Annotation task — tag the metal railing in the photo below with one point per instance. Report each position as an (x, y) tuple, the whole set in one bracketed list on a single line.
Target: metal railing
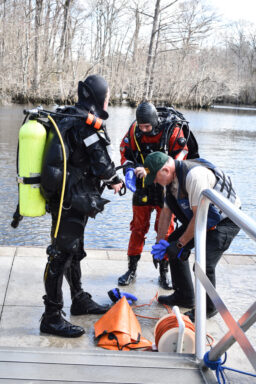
[(203, 284)]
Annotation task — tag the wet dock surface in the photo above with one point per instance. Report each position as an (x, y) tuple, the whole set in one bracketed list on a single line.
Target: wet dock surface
[(21, 305)]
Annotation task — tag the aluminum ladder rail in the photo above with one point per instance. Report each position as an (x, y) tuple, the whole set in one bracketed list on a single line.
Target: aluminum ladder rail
[(203, 284)]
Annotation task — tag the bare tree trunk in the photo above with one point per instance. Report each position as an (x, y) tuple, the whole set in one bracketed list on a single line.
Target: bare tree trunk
[(38, 14), (136, 34), (65, 38), (2, 49), (63, 50), (26, 50), (150, 50), (46, 33), (152, 73)]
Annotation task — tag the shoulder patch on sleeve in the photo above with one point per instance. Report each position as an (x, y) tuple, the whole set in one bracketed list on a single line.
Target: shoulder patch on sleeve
[(91, 139)]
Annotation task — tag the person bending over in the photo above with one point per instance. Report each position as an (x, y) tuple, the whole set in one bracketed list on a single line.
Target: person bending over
[(184, 181)]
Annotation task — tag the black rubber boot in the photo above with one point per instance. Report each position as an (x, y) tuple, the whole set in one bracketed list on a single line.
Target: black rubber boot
[(73, 276), (163, 278), (177, 299), (53, 277), (82, 304), (209, 313), (52, 321), (54, 324), (130, 275)]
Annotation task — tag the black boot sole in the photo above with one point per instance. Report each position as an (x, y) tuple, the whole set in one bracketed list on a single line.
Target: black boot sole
[(179, 303), (123, 284), (61, 334)]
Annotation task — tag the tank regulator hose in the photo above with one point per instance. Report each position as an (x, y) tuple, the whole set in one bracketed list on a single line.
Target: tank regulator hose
[(64, 175)]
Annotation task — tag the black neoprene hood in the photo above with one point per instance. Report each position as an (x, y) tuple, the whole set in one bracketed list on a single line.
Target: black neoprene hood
[(93, 92), (146, 113), (97, 87)]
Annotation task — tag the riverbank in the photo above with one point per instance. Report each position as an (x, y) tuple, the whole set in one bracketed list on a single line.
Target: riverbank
[(225, 137), (20, 98), (22, 288)]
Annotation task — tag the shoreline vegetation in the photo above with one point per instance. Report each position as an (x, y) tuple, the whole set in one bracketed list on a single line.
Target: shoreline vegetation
[(175, 52), (124, 100), (37, 100)]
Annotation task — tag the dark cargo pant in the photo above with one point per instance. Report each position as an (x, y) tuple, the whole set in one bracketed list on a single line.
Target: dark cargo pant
[(217, 242)]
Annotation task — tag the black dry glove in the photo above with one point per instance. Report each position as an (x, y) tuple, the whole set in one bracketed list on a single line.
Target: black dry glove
[(155, 261), (173, 252)]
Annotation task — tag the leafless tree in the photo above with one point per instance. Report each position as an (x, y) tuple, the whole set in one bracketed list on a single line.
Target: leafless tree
[(37, 45), (164, 51)]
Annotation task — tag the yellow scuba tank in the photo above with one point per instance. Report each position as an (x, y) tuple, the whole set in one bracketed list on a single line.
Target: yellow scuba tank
[(32, 139)]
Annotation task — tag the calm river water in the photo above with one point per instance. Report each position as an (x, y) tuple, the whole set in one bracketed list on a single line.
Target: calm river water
[(226, 137)]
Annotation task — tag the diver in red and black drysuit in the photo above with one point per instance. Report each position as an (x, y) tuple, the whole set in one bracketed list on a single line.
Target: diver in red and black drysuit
[(88, 167), (159, 129)]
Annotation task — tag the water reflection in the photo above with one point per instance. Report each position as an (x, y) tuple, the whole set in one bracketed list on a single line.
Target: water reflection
[(225, 138)]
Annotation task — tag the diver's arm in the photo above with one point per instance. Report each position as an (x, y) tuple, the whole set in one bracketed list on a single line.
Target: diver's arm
[(127, 149), (177, 151), (164, 222), (101, 165)]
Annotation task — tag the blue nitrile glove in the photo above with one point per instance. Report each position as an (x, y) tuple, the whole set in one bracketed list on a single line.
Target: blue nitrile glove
[(130, 298), (174, 252), (159, 250), (130, 179), (116, 295)]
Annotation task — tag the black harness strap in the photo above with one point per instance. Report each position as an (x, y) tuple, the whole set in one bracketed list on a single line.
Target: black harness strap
[(223, 182), (230, 187), (29, 180)]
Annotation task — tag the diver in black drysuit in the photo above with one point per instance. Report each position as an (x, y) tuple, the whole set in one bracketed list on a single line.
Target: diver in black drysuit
[(88, 166)]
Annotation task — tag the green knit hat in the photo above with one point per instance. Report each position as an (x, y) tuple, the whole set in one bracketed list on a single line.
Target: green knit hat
[(154, 161)]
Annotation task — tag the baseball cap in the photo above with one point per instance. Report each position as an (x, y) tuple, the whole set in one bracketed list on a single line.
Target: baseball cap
[(153, 162)]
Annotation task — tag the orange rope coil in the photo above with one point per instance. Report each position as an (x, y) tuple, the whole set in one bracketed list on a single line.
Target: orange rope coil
[(167, 330), (169, 322)]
